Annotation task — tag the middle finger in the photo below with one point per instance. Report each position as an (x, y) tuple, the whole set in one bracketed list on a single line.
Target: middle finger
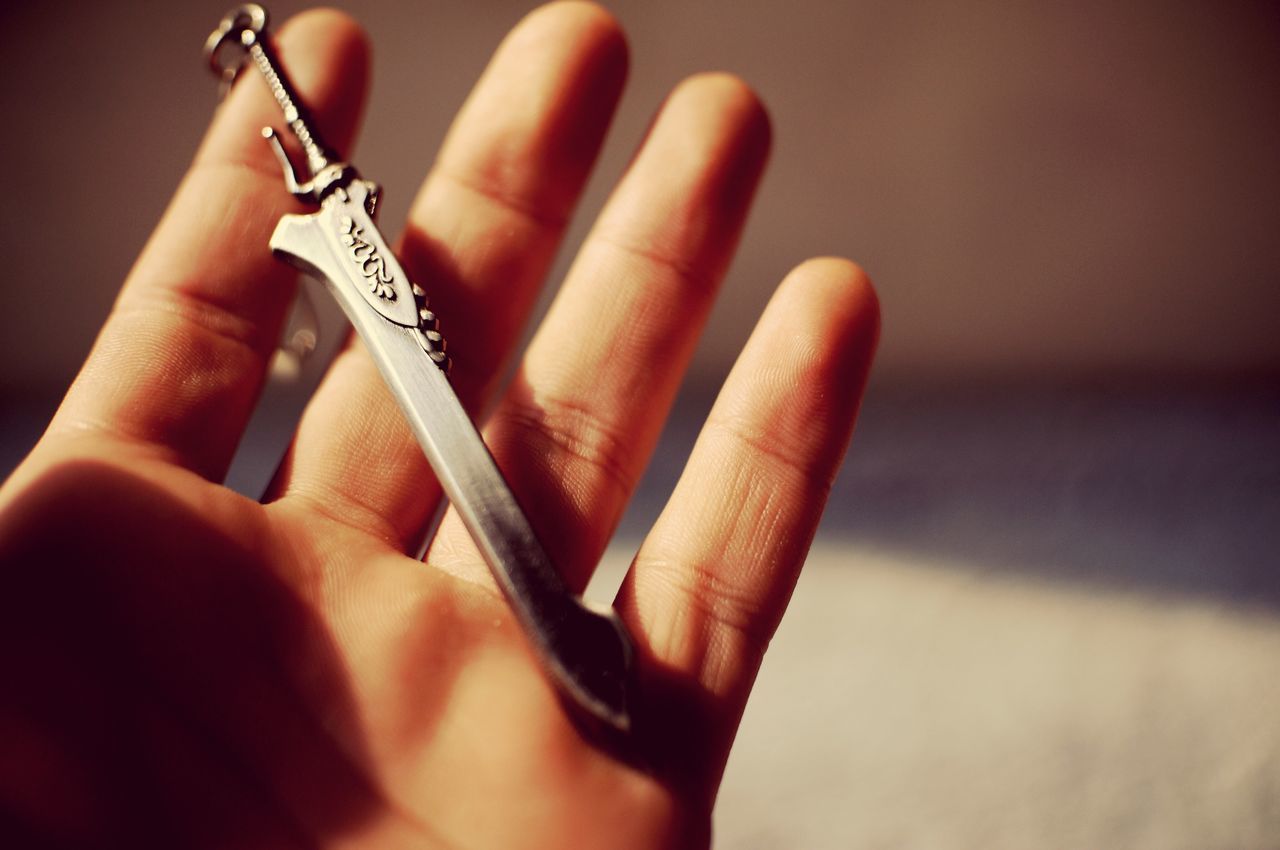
[(578, 424), (482, 233)]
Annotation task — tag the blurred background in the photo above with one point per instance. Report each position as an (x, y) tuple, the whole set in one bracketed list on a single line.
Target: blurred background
[(1044, 608)]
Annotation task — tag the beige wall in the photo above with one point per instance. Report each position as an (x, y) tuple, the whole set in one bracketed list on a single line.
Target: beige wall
[(1038, 188)]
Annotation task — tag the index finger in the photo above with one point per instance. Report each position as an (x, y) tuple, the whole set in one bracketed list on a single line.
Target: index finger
[(179, 364)]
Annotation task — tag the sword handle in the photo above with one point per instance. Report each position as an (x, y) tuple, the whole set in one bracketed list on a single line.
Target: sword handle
[(245, 27)]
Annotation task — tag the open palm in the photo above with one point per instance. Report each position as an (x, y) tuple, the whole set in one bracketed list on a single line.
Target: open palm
[(187, 667)]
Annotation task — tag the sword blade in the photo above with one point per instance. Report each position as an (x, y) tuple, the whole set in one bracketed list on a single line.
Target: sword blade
[(586, 650)]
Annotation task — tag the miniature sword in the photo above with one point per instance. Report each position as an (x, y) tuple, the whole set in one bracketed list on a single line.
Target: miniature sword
[(585, 650)]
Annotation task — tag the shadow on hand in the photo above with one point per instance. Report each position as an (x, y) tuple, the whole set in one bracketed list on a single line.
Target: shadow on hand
[(164, 684)]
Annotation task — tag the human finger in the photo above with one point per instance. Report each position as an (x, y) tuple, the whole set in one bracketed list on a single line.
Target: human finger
[(711, 580), (180, 362), (575, 430), (482, 233)]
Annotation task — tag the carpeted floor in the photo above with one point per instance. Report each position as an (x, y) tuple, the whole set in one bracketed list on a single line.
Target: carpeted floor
[(1032, 620)]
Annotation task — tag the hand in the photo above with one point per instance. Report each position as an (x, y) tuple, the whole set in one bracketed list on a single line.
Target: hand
[(186, 667)]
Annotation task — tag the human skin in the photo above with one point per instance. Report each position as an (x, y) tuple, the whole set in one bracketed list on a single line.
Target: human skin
[(189, 667)]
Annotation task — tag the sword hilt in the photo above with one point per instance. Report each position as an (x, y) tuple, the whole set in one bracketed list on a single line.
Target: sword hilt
[(246, 27)]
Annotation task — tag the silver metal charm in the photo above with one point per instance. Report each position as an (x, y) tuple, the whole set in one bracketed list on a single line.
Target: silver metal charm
[(585, 650)]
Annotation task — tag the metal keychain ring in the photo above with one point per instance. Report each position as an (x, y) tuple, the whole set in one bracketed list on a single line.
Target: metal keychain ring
[(241, 26)]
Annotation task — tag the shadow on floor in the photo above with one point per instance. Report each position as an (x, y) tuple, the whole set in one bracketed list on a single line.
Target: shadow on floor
[(1163, 490)]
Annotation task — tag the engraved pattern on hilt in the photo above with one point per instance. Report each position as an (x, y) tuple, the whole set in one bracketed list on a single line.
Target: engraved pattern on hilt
[(247, 26), (366, 256), (429, 336)]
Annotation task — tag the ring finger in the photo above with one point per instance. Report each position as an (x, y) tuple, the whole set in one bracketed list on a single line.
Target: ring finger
[(577, 426)]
